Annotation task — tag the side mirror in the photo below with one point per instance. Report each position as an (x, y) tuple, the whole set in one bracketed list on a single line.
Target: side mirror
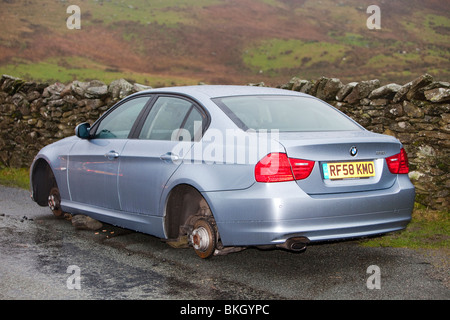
[(82, 130)]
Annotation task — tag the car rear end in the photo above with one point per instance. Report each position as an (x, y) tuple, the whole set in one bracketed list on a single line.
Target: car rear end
[(341, 183), (283, 206)]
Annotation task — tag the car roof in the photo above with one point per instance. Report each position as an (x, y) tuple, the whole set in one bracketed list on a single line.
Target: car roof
[(215, 91)]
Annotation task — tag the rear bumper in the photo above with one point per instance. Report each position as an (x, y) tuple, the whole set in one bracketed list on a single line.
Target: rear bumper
[(270, 213)]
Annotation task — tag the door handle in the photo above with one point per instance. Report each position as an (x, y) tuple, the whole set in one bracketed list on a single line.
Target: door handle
[(112, 155), (169, 156)]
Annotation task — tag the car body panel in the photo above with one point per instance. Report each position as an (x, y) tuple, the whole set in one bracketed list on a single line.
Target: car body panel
[(56, 155), (272, 213), (92, 175), (141, 165), (332, 147)]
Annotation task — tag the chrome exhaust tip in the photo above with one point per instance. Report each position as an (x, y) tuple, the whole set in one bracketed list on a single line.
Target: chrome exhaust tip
[(296, 244)]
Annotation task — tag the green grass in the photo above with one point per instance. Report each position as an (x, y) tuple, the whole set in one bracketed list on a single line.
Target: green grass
[(429, 229), (353, 39), (437, 27), (165, 12), (53, 15), (408, 58), (279, 54), (67, 69), (13, 177), (431, 28)]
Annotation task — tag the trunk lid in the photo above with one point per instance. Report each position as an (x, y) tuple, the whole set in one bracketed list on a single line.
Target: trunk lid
[(334, 155)]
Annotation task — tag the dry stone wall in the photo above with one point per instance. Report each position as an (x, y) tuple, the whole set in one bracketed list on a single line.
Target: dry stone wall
[(33, 115)]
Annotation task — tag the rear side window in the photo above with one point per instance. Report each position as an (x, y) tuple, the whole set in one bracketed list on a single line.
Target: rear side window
[(168, 116), (284, 113)]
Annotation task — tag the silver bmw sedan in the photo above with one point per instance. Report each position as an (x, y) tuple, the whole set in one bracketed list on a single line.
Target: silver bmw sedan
[(221, 168)]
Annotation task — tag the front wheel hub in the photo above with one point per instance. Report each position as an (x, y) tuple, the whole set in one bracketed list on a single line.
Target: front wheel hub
[(54, 202)]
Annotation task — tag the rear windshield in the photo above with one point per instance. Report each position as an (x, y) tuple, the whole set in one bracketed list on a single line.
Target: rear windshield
[(284, 113)]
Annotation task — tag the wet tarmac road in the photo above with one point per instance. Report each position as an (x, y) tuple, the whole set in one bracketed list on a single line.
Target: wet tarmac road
[(45, 257)]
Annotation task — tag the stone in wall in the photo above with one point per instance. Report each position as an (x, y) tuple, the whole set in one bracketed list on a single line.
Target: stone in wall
[(326, 88), (385, 92), (438, 94), (361, 91)]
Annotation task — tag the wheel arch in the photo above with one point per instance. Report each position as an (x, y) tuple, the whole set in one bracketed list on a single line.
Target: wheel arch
[(184, 205), (42, 180)]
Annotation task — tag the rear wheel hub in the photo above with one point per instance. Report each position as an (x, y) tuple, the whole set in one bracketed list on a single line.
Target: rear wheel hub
[(203, 238)]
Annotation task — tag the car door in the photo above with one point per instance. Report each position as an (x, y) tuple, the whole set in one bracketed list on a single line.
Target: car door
[(148, 161), (94, 163)]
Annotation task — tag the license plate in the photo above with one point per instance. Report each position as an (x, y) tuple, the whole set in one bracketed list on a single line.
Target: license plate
[(345, 170)]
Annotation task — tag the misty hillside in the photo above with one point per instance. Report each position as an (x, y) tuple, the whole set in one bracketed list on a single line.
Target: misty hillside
[(164, 42)]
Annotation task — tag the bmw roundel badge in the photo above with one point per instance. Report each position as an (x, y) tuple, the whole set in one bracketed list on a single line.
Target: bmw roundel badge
[(353, 151)]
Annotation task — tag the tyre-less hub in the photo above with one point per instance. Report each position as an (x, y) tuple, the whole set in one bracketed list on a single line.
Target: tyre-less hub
[(203, 238)]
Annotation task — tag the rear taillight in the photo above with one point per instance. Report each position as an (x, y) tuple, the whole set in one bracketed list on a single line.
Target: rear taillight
[(277, 167), (301, 168), (398, 163), (274, 167)]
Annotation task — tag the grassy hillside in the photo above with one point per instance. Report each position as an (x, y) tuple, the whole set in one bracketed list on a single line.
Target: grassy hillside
[(166, 42)]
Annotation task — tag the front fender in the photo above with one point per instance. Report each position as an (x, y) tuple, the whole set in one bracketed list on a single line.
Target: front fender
[(56, 156)]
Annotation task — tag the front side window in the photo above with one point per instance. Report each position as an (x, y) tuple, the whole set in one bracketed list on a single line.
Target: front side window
[(167, 116), (119, 122), (284, 113)]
